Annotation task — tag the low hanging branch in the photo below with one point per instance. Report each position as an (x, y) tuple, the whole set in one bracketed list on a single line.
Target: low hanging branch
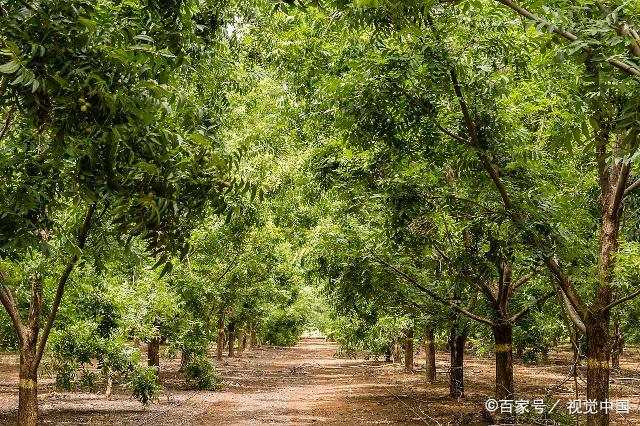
[(408, 278)]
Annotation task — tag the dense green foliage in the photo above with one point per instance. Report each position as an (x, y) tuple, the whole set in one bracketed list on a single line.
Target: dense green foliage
[(200, 172)]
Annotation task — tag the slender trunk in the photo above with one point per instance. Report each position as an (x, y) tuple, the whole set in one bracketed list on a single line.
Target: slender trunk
[(232, 336), (408, 349), (107, 392), (457, 341), (28, 386), (503, 339), (430, 353), (397, 355), (242, 341), (220, 341)]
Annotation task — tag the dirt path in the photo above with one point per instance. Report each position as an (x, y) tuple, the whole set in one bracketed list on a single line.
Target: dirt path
[(307, 385)]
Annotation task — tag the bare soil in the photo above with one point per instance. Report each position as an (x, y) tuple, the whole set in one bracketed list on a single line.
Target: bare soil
[(308, 385)]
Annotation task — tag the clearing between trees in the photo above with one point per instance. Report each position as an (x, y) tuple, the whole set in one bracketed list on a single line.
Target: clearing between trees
[(308, 384)]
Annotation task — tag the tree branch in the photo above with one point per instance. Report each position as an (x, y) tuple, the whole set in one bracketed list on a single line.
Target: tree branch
[(619, 301), (524, 279), (427, 110), (7, 124), (475, 142), (4, 82), (628, 69), (618, 195), (568, 290), (635, 185), (82, 238), (526, 310), (568, 309), (430, 293), (623, 28), (12, 309), (35, 304), (27, 5)]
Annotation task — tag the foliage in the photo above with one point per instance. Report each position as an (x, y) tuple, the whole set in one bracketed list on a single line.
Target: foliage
[(201, 375), (143, 384)]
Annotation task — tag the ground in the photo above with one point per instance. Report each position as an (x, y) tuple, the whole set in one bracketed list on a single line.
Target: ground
[(308, 385)]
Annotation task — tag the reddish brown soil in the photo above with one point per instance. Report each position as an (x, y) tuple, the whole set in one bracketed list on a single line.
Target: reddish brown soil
[(307, 385)]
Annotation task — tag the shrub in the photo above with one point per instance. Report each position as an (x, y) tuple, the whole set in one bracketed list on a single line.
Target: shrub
[(201, 375), (143, 384)]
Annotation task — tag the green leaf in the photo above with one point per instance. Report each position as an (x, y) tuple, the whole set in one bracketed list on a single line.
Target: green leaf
[(9, 67)]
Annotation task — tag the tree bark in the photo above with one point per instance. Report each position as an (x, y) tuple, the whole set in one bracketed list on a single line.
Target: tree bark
[(253, 338), (457, 341), (153, 348), (503, 339), (231, 338), (153, 352), (408, 349), (242, 341), (220, 340), (430, 354), (28, 385), (617, 344), (598, 365), (396, 351)]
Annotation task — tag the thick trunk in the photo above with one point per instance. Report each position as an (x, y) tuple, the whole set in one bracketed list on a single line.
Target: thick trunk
[(457, 342), (503, 339), (153, 353), (408, 349), (28, 387), (597, 365), (430, 354), (613, 178)]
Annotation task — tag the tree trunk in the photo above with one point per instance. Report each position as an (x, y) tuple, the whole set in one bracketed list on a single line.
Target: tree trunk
[(107, 392), (503, 339), (430, 354), (242, 341), (232, 336), (253, 338), (220, 341), (457, 342), (153, 348), (408, 349), (598, 365), (153, 353), (617, 344), (28, 386), (396, 351)]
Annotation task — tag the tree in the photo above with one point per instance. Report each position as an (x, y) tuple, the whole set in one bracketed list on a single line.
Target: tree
[(92, 142)]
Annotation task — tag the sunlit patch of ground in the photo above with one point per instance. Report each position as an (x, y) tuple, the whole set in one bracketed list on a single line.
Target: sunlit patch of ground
[(307, 385)]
